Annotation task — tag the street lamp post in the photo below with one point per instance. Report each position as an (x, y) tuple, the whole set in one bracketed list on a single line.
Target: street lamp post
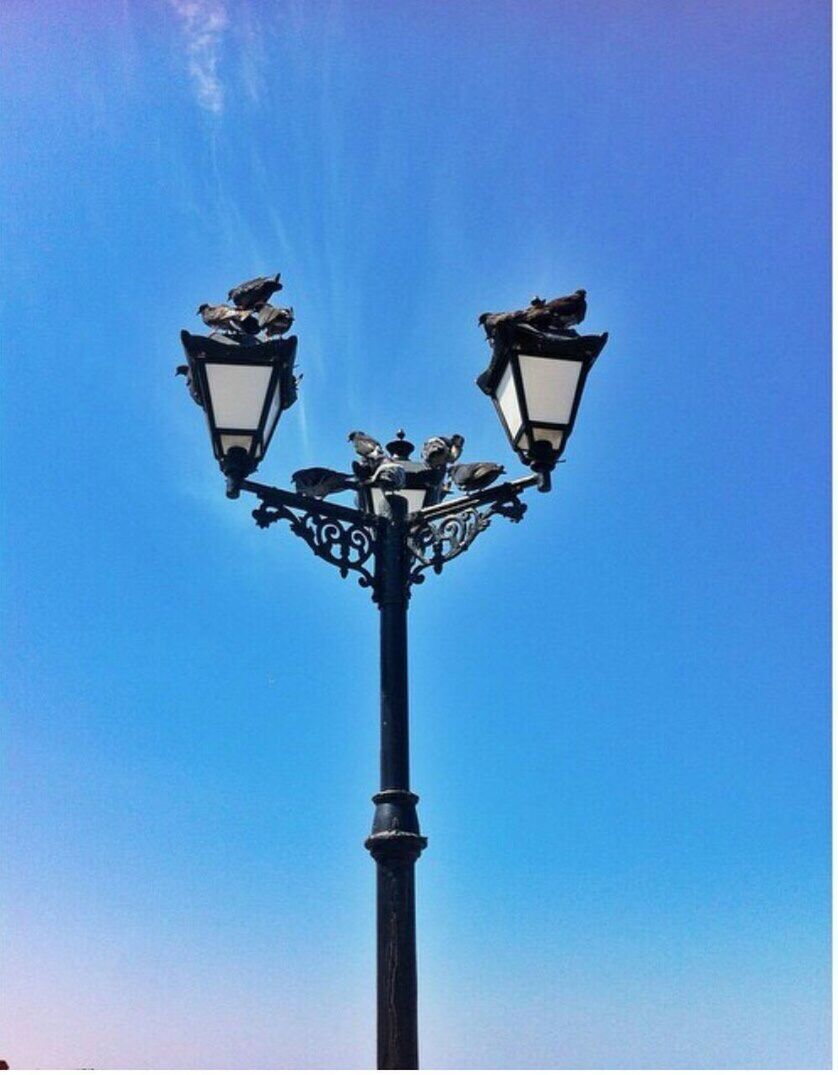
[(395, 842), (404, 523)]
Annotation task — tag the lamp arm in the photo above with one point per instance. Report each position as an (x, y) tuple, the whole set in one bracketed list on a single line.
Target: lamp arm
[(507, 491), (342, 536), (443, 532), (349, 538), (276, 498)]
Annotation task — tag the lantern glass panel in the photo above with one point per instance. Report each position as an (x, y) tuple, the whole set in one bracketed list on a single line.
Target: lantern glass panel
[(415, 499), (554, 436), (237, 394), (234, 440), (550, 386), (379, 501), (273, 415), (507, 399)]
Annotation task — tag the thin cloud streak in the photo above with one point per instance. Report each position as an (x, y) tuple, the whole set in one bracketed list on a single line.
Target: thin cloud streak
[(204, 24)]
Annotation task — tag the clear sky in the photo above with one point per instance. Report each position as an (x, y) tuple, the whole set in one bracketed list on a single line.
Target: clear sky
[(620, 708)]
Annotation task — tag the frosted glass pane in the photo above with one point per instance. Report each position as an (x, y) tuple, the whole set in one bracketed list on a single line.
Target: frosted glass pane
[(555, 436), (237, 394), (507, 399), (273, 415), (415, 499), (379, 502), (549, 387), (228, 441)]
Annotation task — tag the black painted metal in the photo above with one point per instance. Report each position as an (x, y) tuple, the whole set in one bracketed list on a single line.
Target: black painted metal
[(507, 349), (395, 842), (341, 536), (390, 552), (505, 491), (400, 548), (278, 355)]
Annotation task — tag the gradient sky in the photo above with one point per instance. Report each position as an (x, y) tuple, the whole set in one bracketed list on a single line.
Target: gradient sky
[(620, 708)]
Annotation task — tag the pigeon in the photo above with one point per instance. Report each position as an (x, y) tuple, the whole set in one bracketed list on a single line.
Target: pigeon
[(561, 313), (470, 477), (253, 292), (228, 317), (440, 451), (275, 320), (320, 481), (389, 476), (435, 452), (194, 390), (455, 446), (362, 469), (557, 315), (367, 447)]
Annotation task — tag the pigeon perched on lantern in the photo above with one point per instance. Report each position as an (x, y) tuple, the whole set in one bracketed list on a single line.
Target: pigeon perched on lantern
[(441, 451), (194, 391), (558, 315), (252, 293), (242, 374), (537, 374), (274, 320), (389, 476), (227, 318)]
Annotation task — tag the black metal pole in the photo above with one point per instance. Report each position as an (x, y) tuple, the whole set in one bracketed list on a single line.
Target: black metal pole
[(395, 843)]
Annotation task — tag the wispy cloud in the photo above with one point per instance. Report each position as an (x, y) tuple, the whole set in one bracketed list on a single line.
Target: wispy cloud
[(204, 24), (253, 54)]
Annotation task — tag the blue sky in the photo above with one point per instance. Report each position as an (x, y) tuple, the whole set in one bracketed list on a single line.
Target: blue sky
[(620, 708)]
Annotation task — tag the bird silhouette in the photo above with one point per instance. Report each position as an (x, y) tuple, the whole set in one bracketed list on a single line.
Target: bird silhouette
[(440, 451), (455, 446), (367, 447), (274, 320), (228, 318), (253, 292), (321, 482), (194, 391), (557, 315), (471, 477), (389, 476)]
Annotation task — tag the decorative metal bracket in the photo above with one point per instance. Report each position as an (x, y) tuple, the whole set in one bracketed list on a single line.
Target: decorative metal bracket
[(350, 539), (442, 533), (339, 535)]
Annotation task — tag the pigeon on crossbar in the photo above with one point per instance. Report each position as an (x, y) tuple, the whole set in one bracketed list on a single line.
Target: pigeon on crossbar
[(321, 482), (253, 292), (471, 477)]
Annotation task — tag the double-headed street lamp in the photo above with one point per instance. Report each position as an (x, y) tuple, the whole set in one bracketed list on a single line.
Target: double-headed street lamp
[(405, 521)]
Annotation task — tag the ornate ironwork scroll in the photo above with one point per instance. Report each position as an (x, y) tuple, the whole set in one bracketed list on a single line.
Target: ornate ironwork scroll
[(434, 542), (345, 542), (351, 539)]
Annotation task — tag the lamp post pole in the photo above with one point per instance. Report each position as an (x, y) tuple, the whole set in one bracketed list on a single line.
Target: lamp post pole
[(395, 842)]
